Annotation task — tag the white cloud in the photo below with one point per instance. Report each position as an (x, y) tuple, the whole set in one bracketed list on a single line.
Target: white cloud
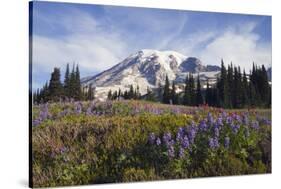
[(91, 52), (85, 43), (241, 48)]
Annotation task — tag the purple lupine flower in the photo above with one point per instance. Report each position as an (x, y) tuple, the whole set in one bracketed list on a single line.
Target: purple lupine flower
[(213, 143), (219, 122), (255, 125), (226, 142), (36, 122), (171, 151), (234, 128), (237, 118), (229, 120), (191, 134), (185, 142), (203, 125), (180, 134), (158, 141), (224, 115), (216, 132), (181, 152), (44, 112), (151, 138), (267, 122), (167, 137)]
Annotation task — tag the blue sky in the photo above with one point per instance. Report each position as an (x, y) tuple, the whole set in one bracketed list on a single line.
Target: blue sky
[(98, 37)]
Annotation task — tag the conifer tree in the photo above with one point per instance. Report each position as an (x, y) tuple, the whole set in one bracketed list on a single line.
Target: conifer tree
[(191, 91), (199, 98), (67, 81), (77, 84), (131, 92), (72, 83), (245, 97), (230, 84), (166, 94), (119, 94), (126, 95), (109, 95), (208, 94), (55, 86), (186, 96), (90, 93), (174, 95)]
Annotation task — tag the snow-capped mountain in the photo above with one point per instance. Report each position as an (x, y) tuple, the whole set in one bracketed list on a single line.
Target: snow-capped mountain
[(147, 68)]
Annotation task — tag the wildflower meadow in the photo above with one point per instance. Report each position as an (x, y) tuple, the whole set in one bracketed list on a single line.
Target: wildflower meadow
[(75, 143)]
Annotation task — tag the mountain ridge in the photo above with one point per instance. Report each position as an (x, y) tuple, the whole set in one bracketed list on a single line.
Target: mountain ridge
[(147, 68)]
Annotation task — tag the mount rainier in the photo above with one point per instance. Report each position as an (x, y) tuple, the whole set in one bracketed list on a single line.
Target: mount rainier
[(148, 69)]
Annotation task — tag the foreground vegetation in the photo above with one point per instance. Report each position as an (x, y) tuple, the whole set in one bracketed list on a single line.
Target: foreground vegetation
[(124, 141)]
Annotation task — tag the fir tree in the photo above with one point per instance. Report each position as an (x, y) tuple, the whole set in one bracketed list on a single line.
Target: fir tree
[(109, 95), (67, 82), (90, 93), (119, 94), (55, 87), (72, 83), (166, 94), (199, 98), (192, 91), (245, 86), (186, 97), (208, 94), (174, 95), (77, 84), (131, 92)]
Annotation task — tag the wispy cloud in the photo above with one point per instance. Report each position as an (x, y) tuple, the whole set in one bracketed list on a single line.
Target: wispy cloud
[(242, 47), (99, 37), (85, 43)]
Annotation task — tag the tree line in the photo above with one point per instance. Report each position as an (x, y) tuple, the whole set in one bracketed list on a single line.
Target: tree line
[(233, 89), (70, 88), (127, 94)]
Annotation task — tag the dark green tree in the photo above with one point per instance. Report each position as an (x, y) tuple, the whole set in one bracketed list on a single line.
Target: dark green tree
[(199, 97), (208, 94), (131, 93), (192, 90), (245, 86), (55, 86), (90, 93), (66, 85), (72, 83), (186, 96), (166, 93), (109, 95), (77, 84), (174, 95)]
